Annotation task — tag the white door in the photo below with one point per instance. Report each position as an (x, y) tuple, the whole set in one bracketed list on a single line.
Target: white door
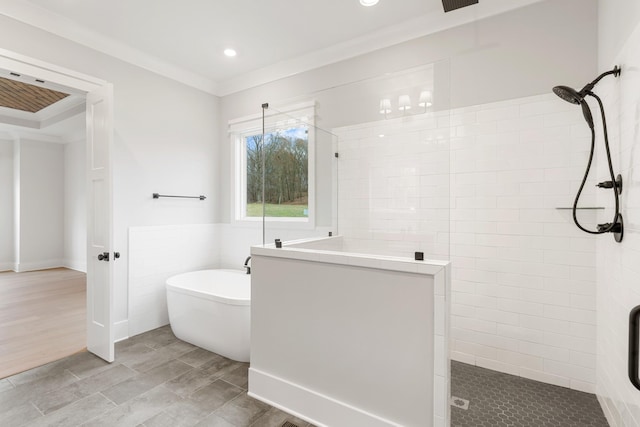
[(100, 252)]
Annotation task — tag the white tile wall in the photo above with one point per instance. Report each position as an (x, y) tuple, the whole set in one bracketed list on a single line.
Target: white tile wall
[(524, 276), (157, 253), (618, 289)]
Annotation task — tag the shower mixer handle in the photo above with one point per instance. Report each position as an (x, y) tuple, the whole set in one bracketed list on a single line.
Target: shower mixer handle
[(610, 184)]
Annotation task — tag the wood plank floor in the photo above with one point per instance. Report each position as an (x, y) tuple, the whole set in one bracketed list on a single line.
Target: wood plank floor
[(42, 317)]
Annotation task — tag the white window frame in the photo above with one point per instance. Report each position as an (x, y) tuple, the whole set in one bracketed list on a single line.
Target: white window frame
[(242, 127)]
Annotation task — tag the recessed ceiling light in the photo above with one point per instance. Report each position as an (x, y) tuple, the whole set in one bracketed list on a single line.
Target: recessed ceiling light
[(230, 52), (368, 2)]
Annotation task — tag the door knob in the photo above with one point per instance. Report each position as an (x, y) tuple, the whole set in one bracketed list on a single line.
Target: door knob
[(104, 256)]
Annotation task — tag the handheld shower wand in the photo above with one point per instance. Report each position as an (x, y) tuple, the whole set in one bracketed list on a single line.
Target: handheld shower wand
[(578, 98)]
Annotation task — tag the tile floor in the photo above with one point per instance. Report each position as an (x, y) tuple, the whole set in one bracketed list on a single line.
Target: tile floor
[(158, 380)]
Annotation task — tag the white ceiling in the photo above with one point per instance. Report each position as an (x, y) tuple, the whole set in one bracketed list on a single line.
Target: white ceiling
[(184, 39)]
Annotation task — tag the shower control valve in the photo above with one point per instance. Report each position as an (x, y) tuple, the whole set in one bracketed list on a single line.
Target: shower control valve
[(610, 184), (616, 228)]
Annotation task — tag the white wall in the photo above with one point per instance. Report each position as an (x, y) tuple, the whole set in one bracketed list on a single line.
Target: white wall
[(617, 19), (50, 228), (41, 205), (617, 263), (157, 253), (6, 211), (75, 206), (165, 140)]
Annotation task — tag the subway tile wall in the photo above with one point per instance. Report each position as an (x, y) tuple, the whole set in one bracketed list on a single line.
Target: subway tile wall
[(619, 263), (489, 178)]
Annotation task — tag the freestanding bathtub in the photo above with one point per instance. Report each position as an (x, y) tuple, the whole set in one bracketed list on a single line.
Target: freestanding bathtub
[(212, 309)]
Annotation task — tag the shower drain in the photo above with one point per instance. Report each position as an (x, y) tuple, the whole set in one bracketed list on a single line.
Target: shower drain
[(458, 403), (288, 424)]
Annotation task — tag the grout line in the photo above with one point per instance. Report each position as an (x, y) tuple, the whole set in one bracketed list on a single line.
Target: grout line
[(103, 395), (67, 370), (37, 409)]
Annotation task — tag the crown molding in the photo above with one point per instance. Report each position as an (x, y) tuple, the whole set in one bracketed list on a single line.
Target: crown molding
[(43, 19), (409, 30)]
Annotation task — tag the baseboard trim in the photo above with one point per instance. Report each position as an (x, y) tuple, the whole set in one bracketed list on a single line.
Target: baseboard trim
[(311, 406), (121, 330), (608, 411), (6, 266), (38, 265), (75, 265)]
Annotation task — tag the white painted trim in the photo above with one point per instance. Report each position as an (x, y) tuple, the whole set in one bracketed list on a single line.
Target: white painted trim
[(63, 115), (58, 25), (32, 136), (121, 330), (319, 409), (242, 124), (15, 121), (239, 128), (6, 266), (39, 265), (22, 64), (417, 27), (74, 264), (17, 152)]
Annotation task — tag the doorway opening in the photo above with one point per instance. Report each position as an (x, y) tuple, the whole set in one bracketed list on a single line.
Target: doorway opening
[(91, 104)]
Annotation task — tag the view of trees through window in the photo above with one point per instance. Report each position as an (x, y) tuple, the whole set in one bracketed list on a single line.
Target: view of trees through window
[(286, 173)]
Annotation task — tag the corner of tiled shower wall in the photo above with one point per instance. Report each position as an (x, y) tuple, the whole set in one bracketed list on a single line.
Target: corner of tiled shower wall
[(618, 264), (490, 177)]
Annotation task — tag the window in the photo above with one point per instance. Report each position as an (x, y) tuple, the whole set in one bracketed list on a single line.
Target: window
[(286, 190), (288, 167)]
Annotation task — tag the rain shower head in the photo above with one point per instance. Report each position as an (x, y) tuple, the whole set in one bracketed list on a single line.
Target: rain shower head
[(575, 97), (568, 94)]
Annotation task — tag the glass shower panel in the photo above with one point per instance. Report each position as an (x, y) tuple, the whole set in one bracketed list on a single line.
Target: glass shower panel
[(393, 188), (377, 165), (298, 199)]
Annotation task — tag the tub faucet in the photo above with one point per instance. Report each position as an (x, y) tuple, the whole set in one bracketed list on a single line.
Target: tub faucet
[(246, 264)]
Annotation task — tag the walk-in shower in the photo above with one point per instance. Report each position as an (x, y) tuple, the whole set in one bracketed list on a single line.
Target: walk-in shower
[(578, 97)]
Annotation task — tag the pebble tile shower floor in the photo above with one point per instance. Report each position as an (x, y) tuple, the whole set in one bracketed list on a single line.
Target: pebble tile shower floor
[(497, 399), (160, 381)]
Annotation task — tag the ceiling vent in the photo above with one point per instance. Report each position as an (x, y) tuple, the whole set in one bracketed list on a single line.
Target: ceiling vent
[(450, 5)]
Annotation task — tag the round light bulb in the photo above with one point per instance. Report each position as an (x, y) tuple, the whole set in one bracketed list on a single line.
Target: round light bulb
[(230, 52), (368, 2)]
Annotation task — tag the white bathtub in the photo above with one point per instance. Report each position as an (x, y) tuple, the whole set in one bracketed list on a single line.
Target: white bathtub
[(212, 309)]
